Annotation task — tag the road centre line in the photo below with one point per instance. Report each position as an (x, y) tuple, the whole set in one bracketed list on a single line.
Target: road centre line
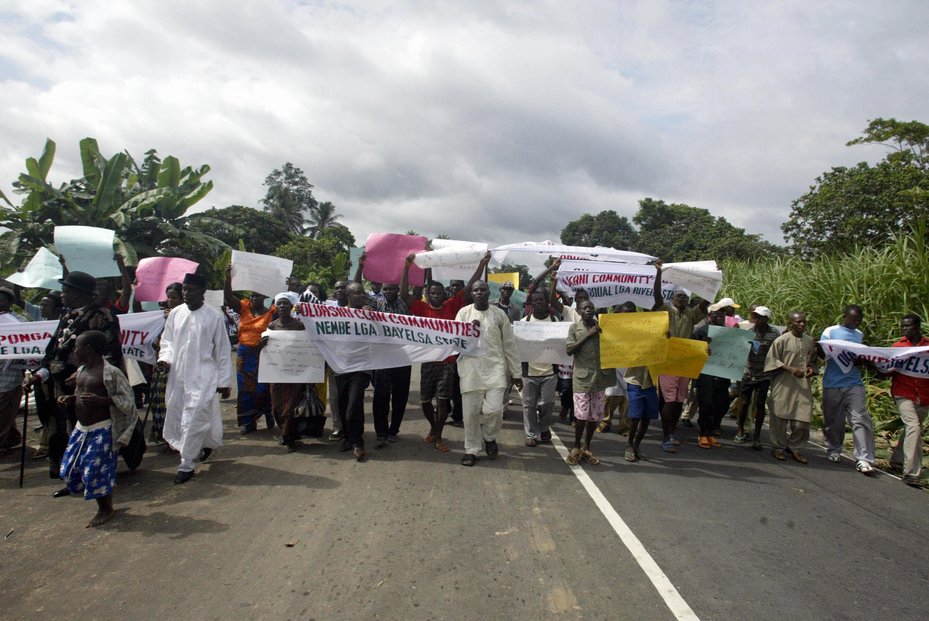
[(679, 608)]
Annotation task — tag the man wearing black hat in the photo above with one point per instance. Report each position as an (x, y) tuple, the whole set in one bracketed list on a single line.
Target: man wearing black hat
[(195, 354), (77, 295)]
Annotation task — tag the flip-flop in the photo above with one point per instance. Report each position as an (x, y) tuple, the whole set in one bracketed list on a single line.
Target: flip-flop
[(441, 446)]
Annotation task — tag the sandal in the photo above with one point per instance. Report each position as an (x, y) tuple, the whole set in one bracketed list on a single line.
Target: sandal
[(589, 457), (469, 460), (573, 457), (703, 442), (713, 441), (429, 439), (358, 453), (441, 446), (668, 447)]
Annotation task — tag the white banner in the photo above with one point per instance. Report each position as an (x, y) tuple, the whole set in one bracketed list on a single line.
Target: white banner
[(42, 272), (502, 254), (702, 277), (542, 341), (912, 361), (365, 340), (290, 357), (612, 283), (260, 273), (451, 259), (28, 340)]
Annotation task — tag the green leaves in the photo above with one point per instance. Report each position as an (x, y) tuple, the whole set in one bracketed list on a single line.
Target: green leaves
[(145, 206)]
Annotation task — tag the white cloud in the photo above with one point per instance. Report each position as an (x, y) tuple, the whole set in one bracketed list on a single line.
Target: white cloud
[(483, 120)]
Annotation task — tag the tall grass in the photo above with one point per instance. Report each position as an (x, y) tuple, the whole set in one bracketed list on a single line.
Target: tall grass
[(886, 282)]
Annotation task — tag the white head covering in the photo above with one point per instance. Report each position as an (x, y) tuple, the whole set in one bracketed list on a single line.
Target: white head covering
[(290, 296)]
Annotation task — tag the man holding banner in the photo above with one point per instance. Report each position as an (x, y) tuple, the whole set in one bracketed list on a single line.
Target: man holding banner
[(539, 380), (845, 398), (911, 394)]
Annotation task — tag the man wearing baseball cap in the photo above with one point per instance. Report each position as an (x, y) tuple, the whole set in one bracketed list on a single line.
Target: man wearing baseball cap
[(756, 381)]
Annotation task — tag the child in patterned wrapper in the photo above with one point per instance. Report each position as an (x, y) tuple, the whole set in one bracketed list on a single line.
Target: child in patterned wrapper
[(105, 409)]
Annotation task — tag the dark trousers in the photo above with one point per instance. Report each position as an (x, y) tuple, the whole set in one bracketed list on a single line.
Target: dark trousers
[(760, 389), (391, 391), (456, 410), (350, 388), (713, 398), (58, 423)]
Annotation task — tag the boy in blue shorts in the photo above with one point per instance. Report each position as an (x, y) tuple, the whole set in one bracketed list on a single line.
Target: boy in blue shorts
[(643, 408), (105, 407)]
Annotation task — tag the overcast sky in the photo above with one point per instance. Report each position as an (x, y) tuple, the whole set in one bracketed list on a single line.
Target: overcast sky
[(493, 120)]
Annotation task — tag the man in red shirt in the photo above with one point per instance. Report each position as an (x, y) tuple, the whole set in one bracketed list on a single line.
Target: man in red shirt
[(911, 394), (436, 378)]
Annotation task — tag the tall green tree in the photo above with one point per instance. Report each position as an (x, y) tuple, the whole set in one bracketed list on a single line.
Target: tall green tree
[(607, 229), (146, 206), (289, 197), (865, 205)]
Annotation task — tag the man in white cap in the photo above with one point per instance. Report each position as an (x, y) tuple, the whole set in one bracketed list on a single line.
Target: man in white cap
[(756, 381), (513, 312)]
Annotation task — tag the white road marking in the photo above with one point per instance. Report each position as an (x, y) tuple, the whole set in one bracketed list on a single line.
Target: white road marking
[(679, 608)]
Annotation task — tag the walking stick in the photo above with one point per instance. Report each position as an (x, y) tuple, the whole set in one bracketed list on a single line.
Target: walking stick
[(22, 453)]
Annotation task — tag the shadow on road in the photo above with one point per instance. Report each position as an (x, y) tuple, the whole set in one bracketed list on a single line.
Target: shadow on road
[(162, 525)]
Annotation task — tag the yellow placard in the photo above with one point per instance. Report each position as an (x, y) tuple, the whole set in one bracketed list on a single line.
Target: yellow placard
[(633, 339), (502, 277), (685, 358)]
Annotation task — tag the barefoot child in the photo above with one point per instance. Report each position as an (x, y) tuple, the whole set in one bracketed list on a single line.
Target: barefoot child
[(105, 409)]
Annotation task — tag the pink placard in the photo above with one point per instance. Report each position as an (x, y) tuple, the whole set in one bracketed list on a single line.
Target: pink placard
[(385, 254), (154, 274)]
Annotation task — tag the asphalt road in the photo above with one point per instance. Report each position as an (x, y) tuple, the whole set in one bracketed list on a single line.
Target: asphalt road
[(411, 534)]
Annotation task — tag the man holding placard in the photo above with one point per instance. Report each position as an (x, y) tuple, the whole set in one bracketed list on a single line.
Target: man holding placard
[(681, 319), (539, 381)]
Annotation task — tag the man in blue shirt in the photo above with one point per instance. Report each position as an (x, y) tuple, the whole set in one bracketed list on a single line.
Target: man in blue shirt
[(844, 397)]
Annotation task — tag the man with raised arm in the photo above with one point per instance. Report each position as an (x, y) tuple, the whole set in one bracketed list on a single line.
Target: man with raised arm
[(436, 378), (681, 321)]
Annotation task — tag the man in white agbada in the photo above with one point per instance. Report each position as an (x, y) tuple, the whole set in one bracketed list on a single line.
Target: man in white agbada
[(486, 375), (195, 352)]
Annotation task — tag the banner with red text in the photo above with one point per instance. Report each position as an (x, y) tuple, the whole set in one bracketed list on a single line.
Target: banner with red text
[(365, 340)]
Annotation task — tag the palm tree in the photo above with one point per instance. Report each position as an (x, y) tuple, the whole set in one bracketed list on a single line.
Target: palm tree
[(322, 217)]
